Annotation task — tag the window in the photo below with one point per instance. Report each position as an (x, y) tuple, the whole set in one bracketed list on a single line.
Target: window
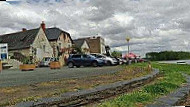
[(59, 45), (44, 48)]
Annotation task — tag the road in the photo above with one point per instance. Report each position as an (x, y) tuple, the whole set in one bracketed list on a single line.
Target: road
[(175, 61), (17, 77)]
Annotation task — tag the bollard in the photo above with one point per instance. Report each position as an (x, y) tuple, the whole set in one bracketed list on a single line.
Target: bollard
[(1, 68), (149, 66)]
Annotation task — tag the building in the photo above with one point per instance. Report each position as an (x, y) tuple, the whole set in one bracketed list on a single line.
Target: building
[(60, 41), (96, 44), (82, 45), (30, 43)]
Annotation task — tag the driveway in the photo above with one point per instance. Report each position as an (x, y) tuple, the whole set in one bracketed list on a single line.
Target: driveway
[(17, 77)]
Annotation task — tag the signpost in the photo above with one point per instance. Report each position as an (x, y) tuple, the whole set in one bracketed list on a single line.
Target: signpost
[(3, 54)]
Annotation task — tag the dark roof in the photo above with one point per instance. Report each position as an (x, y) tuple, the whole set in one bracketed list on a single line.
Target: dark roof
[(78, 42), (19, 40), (54, 33)]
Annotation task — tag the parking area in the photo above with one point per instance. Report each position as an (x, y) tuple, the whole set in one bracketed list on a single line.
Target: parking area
[(16, 77)]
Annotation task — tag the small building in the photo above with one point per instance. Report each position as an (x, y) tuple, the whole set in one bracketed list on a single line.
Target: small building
[(30, 43), (60, 41), (82, 45), (96, 44)]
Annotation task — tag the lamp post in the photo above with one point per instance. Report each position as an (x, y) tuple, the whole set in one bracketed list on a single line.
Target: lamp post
[(128, 39)]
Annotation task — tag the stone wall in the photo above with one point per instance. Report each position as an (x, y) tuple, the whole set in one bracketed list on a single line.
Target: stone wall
[(84, 97)]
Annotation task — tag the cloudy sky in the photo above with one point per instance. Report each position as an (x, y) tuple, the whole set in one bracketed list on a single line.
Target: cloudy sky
[(152, 25)]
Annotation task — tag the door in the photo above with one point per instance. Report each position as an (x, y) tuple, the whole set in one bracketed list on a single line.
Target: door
[(77, 59), (86, 60)]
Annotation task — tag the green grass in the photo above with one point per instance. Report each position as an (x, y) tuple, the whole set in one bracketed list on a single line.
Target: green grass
[(171, 80)]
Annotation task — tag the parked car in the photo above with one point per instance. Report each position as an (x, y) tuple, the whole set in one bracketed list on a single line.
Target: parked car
[(108, 60), (45, 62), (120, 61), (84, 60)]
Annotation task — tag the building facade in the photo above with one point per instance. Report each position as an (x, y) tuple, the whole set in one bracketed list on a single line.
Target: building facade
[(82, 45), (96, 44), (60, 41), (29, 43)]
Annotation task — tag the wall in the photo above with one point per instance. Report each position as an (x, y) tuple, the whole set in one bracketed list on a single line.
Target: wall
[(42, 46), (85, 48), (96, 44)]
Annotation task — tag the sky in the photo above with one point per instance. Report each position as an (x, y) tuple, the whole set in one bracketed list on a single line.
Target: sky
[(152, 25)]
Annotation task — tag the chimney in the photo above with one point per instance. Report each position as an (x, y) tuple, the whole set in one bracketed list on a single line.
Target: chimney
[(43, 25), (23, 29)]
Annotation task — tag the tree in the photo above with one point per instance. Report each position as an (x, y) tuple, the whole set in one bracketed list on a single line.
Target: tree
[(116, 54), (167, 55)]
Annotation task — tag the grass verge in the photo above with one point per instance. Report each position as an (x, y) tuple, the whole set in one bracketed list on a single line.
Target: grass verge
[(171, 80)]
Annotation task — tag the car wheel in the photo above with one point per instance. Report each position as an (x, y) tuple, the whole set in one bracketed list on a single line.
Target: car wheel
[(108, 63), (94, 64), (70, 65), (78, 66)]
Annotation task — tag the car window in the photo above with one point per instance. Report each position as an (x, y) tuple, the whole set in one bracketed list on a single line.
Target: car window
[(76, 56), (99, 56), (86, 56)]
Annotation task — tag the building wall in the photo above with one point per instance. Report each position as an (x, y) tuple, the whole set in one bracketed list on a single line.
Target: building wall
[(96, 44), (64, 43), (102, 46), (41, 47), (85, 48)]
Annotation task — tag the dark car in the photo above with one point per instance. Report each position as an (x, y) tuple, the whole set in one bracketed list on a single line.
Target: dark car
[(83, 60)]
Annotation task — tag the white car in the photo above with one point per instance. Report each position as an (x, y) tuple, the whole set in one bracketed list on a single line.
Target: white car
[(107, 60), (45, 62)]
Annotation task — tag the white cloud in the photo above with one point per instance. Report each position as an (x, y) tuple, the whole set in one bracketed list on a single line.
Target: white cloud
[(153, 25)]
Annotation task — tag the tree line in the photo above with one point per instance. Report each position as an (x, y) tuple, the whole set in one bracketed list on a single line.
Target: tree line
[(167, 55)]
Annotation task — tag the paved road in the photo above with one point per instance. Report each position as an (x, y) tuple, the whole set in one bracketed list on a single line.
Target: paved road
[(175, 61), (17, 77)]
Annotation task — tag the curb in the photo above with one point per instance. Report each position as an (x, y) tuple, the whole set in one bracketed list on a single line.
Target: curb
[(84, 97)]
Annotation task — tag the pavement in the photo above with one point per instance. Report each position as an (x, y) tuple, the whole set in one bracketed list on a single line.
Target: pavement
[(16, 77)]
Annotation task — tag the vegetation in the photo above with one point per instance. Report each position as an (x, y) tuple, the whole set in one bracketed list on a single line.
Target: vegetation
[(167, 55), (171, 80), (116, 54), (27, 60)]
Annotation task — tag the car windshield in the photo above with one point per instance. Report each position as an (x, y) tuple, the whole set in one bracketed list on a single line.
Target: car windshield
[(91, 56), (76, 56), (46, 59)]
